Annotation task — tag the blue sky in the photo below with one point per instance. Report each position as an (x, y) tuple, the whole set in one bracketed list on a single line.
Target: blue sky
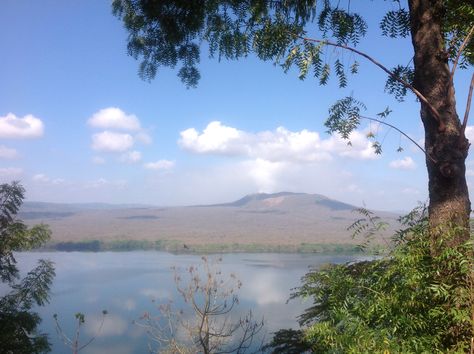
[(77, 124)]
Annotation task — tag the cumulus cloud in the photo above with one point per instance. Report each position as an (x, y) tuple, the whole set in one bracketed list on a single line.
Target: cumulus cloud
[(10, 172), (13, 127), (265, 174), (8, 153), (42, 178), (470, 133), (276, 146), (131, 157), (406, 163), (215, 138), (112, 142), (114, 118), (160, 165), (360, 147)]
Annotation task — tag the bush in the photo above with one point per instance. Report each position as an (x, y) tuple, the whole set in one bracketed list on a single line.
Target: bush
[(410, 300)]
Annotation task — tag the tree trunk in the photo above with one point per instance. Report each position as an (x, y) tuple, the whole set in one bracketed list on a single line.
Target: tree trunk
[(445, 141)]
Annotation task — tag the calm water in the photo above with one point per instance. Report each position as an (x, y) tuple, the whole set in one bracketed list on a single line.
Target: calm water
[(127, 284)]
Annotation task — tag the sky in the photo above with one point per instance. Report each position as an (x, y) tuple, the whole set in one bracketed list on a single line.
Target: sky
[(78, 125)]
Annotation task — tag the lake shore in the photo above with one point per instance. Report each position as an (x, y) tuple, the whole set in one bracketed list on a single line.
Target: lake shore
[(178, 247)]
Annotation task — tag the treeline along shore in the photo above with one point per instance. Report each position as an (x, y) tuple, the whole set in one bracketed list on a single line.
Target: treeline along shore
[(179, 247)]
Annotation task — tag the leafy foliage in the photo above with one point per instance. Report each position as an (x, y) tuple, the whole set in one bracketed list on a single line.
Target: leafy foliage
[(19, 332), (168, 33), (396, 23), (459, 19), (369, 226), (344, 116), (395, 87), (410, 301)]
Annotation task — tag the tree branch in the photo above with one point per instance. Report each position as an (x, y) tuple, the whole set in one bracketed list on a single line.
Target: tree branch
[(461, 49), (468, 105), (403, 82), (403, 133)]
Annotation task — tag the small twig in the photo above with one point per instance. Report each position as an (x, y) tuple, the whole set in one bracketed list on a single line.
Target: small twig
[(404, 134), (93, 338), (468, 105), (417, 93), (461, 49)]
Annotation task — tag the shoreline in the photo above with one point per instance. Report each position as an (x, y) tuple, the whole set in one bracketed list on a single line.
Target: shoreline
[(178, 247)]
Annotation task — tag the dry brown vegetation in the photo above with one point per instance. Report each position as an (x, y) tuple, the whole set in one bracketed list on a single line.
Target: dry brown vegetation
[(268, 219)]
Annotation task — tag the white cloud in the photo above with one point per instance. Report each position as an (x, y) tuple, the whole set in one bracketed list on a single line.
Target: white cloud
[(42, 178), (10, 172), (13, 127), (469, 173), (131, 157), (264, 289), (8, 153), (276, 146), (265, 174), (215, 138), (470, 133), (112, 142), (406, 163), (160, 165), (360, 147), (114, 118), (102, 182), (98, 160)]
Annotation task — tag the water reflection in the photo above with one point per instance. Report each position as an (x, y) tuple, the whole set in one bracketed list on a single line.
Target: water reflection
[(125, 283)]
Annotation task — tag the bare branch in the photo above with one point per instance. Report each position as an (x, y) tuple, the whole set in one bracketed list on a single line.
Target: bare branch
[(461, 49), (403, 82), (468, 105), (403, 133)]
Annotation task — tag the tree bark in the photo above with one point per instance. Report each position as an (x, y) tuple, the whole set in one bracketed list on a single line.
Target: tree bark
[(445, 141)]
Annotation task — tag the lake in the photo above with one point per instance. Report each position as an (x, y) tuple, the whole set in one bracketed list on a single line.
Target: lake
[(129, 284)]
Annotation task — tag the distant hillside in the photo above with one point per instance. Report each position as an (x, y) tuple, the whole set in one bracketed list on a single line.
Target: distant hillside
[(269, 219)]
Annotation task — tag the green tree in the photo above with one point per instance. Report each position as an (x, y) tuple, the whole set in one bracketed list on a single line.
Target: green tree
[(293, 33), (409, 302), (19, 325)]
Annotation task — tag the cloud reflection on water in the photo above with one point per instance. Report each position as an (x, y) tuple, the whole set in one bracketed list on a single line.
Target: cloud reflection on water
[(126, 283)]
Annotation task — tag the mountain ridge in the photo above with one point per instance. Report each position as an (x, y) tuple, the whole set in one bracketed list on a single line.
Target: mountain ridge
[(283, 218)]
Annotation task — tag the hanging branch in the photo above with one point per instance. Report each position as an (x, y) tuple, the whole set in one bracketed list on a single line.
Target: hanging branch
[(417, 93), (461, 49), (468, 105), (403, 133)]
